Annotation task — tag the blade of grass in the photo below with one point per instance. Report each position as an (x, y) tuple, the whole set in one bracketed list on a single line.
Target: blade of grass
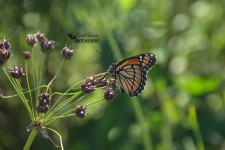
[(194, 125)]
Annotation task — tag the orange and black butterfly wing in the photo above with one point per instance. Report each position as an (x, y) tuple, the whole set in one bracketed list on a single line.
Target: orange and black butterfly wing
[(131, 73)]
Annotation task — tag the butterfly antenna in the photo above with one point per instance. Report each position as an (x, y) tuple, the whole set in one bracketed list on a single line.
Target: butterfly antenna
[(101, 54), (98, 51), (114, 57)]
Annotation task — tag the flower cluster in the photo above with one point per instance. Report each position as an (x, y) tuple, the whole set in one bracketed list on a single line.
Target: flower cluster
[(44, 102), (45, 44), (5, 51), (27, 55), (88, 85), (66, 52), (31, 40), (16, 72), (81, 111), (91, 83), (110, 88)]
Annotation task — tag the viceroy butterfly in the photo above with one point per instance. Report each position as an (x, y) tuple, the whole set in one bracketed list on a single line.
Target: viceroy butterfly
[(131, 73)]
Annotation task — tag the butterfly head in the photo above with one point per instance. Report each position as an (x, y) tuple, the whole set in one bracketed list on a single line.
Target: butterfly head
[(111, 69), (69, 34)]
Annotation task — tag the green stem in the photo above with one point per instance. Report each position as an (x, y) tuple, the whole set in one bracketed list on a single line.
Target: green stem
[(30, 139), (194, 125), (33, 70), (141, 121), (36, 66), (18, 88), (42, 63), (55, 74), (28, 85), (95, 101), (26, 91), (53, 112), (60, 138)]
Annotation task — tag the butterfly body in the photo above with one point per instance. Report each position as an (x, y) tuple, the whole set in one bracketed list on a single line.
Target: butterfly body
[(131, 73)]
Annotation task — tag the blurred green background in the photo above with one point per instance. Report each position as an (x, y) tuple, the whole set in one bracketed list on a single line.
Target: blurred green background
[(186, 36)]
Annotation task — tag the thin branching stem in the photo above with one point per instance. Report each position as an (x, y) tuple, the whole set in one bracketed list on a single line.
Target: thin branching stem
[(28, 86), (42, 63), (33, 75), (95, 101), (61, 112), (18, 89), (55, 74), (43, 86), (64, 94), (62, 116), (54, 111), (60, 138), (37, 73), (24, 100), (67, 114)]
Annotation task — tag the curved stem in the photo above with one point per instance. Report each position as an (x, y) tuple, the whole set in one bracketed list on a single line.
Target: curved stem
[(55, 74), (60, 138)]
